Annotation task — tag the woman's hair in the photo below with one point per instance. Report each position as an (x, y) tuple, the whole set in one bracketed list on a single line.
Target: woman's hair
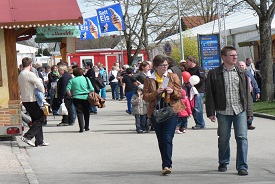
[(171, 61), (78, 72), (64, 68), (113, 67), (52, 68), (143, 65), (192, 59), (158, 60), (129, 71)]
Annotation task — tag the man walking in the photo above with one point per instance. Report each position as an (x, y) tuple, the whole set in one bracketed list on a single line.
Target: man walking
[(27, 82), (228, 98)]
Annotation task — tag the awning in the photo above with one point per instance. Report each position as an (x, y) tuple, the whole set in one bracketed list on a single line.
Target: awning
[(36, 13), (254, 40)]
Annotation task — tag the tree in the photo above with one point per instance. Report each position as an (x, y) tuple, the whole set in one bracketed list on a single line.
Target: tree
[(265, 13)]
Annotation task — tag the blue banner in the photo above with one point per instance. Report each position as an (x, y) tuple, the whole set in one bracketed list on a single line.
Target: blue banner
[(209, 51), (110, 18), (89, 29)]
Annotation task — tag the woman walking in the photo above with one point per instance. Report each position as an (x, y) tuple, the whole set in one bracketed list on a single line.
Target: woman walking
[(153, 87)]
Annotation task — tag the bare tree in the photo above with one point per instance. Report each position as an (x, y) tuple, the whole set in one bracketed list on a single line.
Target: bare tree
[(265, 11)]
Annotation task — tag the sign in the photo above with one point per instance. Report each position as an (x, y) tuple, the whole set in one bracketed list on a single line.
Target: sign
[(59, 31), (110, 18), (167, 48), (89, 29), (209, 51)]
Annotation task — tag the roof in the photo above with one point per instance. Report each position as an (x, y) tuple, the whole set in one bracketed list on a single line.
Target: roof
[(254, 40), (234, 21), (194, 21), (35, 13)]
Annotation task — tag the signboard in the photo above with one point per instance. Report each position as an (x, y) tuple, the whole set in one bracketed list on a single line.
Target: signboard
[(59, 31), (110, 18), (89, 29), (40, 38), (209, 51)]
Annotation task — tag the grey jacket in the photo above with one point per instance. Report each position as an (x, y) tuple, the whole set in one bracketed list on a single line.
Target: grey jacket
[(139, 106), (215, 91)]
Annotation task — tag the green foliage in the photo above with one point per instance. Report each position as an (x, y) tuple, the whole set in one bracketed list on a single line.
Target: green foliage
[(190, 47), (264, 107)]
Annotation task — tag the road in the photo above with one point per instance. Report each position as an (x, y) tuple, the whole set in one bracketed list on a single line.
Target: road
[(112, 152)]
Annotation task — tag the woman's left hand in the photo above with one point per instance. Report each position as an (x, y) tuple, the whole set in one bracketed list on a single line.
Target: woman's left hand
[(169, 90)]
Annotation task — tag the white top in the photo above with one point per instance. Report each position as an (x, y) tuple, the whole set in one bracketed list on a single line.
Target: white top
[(27, 82), (113, 72)]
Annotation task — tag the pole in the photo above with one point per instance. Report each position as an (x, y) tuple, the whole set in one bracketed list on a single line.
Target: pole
[(181, 41), (121, 50)]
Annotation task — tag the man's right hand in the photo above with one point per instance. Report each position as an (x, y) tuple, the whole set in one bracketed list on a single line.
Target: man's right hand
[(212, 118)]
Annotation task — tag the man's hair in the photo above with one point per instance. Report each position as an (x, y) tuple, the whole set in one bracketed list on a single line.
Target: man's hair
[(89, 64), (26, 61), (64, 68), (225, 49), (129, 71), (171, 61), (192, 59), (78, 72)]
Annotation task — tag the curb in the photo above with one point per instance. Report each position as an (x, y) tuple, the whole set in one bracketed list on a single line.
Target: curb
[(261, 115), (24, 163)]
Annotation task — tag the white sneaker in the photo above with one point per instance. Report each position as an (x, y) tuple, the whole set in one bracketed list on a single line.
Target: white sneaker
[(46, 103), (45, 144), (178, 132), (29, 142)]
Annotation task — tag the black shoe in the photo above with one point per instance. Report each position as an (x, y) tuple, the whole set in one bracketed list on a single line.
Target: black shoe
[(62, 124), (222, 168), (128, 112), (250, 127), (140, 131), (93, 113), (197, 127), (87, 129), (242, 172), (80, 131)]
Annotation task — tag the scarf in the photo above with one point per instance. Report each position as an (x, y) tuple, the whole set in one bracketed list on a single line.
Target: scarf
[(159, 81)]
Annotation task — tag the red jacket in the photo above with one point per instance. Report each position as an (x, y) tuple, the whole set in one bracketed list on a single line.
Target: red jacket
[(187, 111)]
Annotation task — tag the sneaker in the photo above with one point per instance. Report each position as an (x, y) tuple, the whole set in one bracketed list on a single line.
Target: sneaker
[(140, 131), (197, 127), (178, 132), (166, 170), (250, 127), (43, 144), (222, 168), (29, 142), (242, 172), (184, 130), (62, 124), (43, 108), (128, 112)]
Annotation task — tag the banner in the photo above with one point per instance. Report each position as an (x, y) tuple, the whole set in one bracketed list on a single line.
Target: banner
[(89, 29), (110, 18), (209, 51)]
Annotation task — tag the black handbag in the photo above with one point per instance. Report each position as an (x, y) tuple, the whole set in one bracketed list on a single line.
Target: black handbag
[(162, 113)]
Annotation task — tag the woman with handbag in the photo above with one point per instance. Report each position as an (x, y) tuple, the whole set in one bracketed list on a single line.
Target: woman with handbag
[(79, 88), (163, 90)]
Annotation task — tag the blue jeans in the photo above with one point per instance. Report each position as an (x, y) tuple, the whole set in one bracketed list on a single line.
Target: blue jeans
[(198, 110), (182, 122), (140, 122), (165, 134), (224, 133), (102, 92), (114, 86), (129, 96)]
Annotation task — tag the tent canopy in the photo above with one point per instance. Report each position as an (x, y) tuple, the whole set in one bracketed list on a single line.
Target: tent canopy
[(35, 13), (254, 40)]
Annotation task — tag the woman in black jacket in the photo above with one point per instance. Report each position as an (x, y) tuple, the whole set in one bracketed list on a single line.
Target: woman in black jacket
[(53, 77), (62, 95)]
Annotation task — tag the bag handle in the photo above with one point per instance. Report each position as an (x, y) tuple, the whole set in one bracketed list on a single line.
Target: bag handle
[(164, 103)]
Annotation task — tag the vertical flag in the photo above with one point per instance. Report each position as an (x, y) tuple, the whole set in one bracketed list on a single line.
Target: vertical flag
[(110, 18), (89, 29)]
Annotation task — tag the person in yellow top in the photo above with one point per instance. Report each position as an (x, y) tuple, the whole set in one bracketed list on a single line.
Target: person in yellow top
[(158, 82)]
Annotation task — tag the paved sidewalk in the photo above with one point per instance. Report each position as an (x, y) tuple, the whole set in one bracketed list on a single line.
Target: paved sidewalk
[(112, 152)]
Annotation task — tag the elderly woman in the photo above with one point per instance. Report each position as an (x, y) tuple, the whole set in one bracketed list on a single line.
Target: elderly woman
[(152, 89), (62, 95), (79, 88)]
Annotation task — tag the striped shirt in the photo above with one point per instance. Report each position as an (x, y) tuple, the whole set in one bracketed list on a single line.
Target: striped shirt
[(232, 90)]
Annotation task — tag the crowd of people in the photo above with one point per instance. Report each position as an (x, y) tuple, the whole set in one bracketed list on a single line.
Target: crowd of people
[(149, 86)]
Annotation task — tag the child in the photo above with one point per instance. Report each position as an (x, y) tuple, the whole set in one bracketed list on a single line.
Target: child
[(40, 98), (139, 107), (184, 114)]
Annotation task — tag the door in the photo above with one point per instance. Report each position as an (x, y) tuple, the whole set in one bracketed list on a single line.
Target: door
[(110, 59)]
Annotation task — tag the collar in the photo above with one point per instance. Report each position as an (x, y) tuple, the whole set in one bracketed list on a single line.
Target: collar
[(153, 75)]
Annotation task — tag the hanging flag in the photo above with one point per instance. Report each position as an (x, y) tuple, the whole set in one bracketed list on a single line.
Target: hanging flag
[(89, 29), (110, 18)]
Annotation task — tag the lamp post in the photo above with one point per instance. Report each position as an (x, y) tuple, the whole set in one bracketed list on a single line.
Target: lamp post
[(181, 40)]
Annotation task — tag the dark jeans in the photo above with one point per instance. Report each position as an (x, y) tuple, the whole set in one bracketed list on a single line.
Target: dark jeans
[(82, 112), (165, 134), (121, 93), (129, 96), (37, 117), (114, 86), (140, 122), (182, 122), (68, 119)]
